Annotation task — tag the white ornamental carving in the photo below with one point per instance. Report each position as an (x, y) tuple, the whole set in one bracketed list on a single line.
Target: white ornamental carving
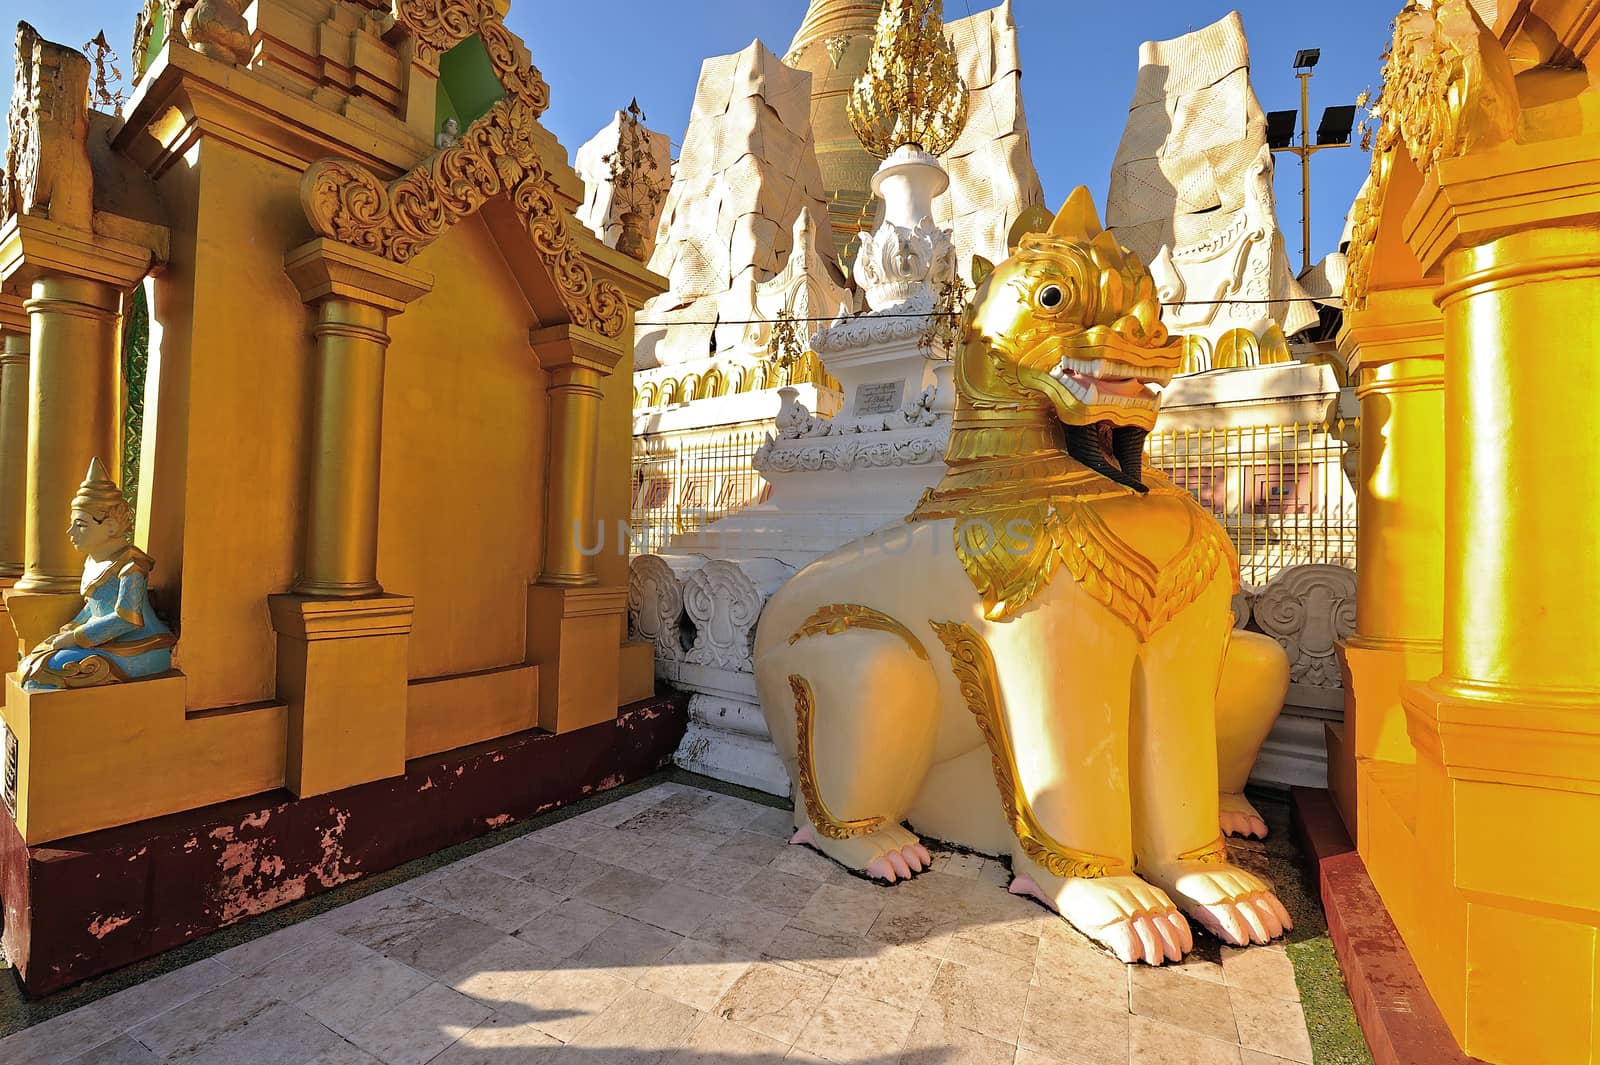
[(1241, 606), (851, 444), (655, 606), (897, 263), (846, 453), (1308, 609), (724, 604), (899, 322)]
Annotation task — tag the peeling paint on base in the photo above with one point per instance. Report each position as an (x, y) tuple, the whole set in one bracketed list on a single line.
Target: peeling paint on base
[(160, 883), (101, 927)]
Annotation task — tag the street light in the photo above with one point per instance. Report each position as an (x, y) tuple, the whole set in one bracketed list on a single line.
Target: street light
[(1333, 132)]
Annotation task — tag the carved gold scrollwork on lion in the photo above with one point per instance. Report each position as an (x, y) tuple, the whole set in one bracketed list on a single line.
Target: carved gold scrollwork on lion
[(1012, 553), (834, 619), (822, 819), (495, 156), (975, 672)]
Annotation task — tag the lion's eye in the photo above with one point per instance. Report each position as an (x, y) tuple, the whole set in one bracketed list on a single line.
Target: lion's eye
[(1050, 297)]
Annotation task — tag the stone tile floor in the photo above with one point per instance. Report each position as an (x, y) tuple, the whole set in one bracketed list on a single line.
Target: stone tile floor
[(677, 926)]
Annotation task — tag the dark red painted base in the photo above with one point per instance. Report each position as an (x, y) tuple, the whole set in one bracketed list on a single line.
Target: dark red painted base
[(80, 907), (1402, 1023)]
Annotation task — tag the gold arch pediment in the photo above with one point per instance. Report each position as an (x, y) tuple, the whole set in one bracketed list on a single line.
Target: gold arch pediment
[(496, 157)]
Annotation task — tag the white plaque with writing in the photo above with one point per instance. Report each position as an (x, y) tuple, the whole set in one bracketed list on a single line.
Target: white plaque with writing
[(879, 397)]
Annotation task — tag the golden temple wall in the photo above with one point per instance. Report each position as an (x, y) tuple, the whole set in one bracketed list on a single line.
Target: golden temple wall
[(265, 341), (1467, 765), (465, 427)]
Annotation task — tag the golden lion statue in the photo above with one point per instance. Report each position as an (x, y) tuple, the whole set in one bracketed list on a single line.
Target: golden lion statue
[(1041, 662)]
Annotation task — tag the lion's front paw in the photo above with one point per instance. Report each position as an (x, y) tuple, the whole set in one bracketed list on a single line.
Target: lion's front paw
[(1134, 920), (889, 854), (1237, 817), (1235, 906)]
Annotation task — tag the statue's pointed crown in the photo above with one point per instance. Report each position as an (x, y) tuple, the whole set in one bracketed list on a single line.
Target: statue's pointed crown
[(98, 492)]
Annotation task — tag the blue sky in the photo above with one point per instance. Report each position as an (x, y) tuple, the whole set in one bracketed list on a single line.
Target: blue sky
[(1078, 62)]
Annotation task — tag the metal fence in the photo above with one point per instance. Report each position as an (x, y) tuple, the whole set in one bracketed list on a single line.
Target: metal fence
[(682, 485), (1285, 494)]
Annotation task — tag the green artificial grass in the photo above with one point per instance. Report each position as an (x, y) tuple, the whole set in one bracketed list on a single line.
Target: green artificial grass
[(1336, 1037)]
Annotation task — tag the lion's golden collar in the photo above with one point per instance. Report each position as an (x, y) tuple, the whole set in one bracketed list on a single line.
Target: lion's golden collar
[(1013, 533)]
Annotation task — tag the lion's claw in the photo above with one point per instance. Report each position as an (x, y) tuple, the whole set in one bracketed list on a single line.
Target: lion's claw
[(889, 854)]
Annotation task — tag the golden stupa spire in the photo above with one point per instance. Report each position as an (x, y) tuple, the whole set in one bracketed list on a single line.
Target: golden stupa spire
[(828, 18), (912, 92)]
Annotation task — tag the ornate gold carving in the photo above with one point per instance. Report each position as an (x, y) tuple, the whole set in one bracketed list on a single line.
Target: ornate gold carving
[(911, 92), (836, 618), (663, 390), (495, 156), (144, 28), (1448, 89), (974, 668), (822, 819), (47, 157), (1213, 853), (91, 671), (440, 25), (1447, 84), (1011, 553)]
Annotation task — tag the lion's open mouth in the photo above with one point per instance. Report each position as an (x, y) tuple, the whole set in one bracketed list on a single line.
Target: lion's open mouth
[(1095, 382)]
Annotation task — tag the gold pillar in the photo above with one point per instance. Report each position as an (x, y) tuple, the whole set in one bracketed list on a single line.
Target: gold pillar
[(574, 443), (575, 628), (342, 642), (72, 416), (1504, 801), (75, 282), (354, 294), (1395, 348), (1520, 622), (14, 339)]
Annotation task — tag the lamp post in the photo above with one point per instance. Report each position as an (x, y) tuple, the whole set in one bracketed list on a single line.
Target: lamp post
[(1333, 132)]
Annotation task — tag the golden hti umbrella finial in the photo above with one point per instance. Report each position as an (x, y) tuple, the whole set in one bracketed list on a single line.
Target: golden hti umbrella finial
[(912, 92)]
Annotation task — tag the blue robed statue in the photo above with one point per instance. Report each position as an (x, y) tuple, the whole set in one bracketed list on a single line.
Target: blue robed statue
[(116, 636)]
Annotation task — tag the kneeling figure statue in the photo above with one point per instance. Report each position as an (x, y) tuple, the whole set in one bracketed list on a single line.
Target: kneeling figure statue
[(1041, 662), (116, 636)]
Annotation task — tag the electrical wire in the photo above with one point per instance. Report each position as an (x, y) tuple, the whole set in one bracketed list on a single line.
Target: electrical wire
[(940, 314)]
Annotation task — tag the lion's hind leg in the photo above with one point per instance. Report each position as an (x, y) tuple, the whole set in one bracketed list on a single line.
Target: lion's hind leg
[(1250, 694), (859, 743)]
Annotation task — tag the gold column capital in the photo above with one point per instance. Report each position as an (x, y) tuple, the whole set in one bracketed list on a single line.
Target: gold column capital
[(562, 346), (32, 247), (324, 268), (1395, 341), (1478, 197), (14, 317)]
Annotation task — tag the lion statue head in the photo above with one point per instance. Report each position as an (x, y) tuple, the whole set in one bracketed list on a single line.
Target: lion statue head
[(1069, 330)]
